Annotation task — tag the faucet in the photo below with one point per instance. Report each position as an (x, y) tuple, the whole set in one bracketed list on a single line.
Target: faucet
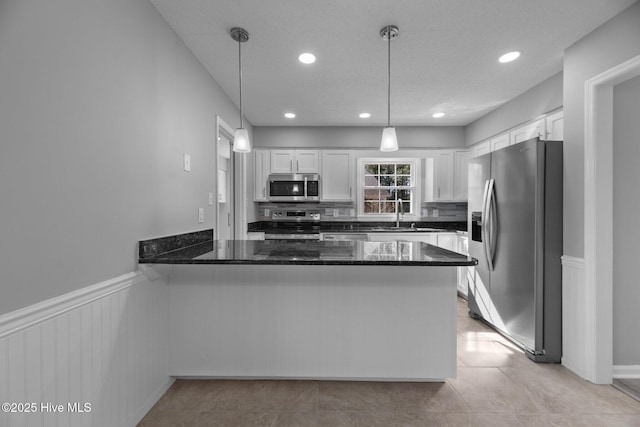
[(399, 207)]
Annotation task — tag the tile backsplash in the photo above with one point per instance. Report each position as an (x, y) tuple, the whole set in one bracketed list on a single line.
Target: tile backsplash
[(346, 211)]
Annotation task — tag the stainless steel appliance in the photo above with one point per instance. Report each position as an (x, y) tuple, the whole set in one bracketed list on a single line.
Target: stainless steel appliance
[(515, 221), (294, 187), (293, 224)]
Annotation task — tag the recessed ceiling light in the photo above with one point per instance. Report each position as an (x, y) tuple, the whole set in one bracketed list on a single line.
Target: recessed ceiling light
[(289, 115), (365, 115), (510, 56), (307, 58), (438, 115)]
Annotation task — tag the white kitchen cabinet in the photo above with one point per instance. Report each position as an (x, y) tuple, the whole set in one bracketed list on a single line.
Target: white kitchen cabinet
[(444, 169), (480, 149), (430, 238), (446, 181), (500, 141), (463, 248), (337, 175), (261, 170), (255, 235), (295, 161), (447, 241), (555, 126), (529, 131), (460, 176)]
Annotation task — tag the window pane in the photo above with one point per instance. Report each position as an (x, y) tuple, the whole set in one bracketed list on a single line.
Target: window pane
[(387, 181), (387, 207), (371, 207), (372, 195), (403, 169), (370, 169), (404, 181), (371, 181), (404, 194), (407, 207), (387, 169), (387, 195)]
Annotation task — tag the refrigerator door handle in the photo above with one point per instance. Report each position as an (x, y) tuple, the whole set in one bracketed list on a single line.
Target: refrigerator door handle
[(492, 208), (485, 224)]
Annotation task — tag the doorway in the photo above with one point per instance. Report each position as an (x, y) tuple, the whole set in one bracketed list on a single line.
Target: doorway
[(598, 208), (225, 182)]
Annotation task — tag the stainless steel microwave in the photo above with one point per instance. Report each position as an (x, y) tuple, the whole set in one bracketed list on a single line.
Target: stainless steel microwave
[(294, 187)]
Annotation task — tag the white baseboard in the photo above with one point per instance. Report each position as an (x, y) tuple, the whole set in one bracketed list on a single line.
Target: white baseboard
[(105, 344), (626, 371)]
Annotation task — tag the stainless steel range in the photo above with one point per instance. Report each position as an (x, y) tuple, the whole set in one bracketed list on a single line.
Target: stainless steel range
[(293, 224)]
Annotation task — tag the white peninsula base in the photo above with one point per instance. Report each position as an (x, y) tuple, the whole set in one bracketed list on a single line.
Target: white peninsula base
[(386, 322)]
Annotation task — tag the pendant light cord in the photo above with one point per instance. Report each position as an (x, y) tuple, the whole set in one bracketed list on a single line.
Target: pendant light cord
[(389, 77), (240, 77)]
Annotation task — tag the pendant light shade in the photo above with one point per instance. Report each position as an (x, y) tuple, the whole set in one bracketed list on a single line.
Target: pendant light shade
[(389, 140), (241, 143)]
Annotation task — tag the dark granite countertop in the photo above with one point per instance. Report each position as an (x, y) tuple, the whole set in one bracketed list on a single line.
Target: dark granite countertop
[(309, 253), (372, 226)]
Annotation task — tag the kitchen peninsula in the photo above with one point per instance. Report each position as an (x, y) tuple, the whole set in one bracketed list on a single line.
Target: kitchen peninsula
[(356, 310)]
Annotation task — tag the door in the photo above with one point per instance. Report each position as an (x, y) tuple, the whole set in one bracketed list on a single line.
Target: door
[(518, 190), (479, 173)]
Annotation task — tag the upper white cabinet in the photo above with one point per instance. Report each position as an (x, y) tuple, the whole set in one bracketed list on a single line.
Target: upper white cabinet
[(529, 131), (460, 175), (295, 161), (446, 181), (337, 170), (261, 172), (500, 141), (480, 149), (555, 126)]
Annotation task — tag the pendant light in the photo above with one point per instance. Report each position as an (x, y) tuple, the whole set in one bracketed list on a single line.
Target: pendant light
[(241, 143), (389, 140)]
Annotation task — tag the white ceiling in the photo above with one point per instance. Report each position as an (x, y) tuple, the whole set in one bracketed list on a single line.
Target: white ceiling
[(445, 58)]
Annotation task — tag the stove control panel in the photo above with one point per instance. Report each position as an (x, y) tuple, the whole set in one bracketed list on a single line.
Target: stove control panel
[(295, 215)]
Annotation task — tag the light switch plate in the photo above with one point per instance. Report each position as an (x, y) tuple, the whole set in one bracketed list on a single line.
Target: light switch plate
[(335, 212), (187, 162), (200, 215), (435, 213), (210, 199)]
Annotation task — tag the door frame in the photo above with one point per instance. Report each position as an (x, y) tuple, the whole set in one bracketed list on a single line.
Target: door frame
[(598, 223), (238, 183)]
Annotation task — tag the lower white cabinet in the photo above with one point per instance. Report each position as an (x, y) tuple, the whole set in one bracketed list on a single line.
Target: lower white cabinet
[(463, 248), (255, 235)]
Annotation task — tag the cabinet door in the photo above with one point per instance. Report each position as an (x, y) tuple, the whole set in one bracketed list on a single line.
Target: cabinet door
[(555, 126), (480, 149), (306, 161), (337, 175), (500, 141), (448, 241), (282, 161), (460, 180), (444, 176), (261, 172), (529, 131)]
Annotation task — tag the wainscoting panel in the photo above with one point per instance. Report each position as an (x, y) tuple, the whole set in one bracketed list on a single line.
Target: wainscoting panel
[(575, 327), (100, 352)]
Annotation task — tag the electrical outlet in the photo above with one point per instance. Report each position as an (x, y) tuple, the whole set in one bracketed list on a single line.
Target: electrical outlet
[(435, 213), (200, 215), (335, 212), (187, 163)]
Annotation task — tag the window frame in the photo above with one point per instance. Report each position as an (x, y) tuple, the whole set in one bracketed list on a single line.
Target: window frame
[(415, 187)]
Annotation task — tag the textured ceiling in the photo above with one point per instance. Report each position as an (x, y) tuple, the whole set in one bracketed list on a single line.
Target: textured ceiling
[(445, 58)]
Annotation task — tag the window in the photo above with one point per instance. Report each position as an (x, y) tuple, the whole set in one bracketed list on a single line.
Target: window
[(387, 185)]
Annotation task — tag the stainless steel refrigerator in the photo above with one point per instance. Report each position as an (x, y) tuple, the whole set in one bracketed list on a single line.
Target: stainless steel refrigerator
[(515, 225)]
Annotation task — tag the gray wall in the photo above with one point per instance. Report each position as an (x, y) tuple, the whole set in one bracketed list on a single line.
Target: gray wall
[(609, 45), (540, 99), (626, 233), (357, 137), (99, 100)]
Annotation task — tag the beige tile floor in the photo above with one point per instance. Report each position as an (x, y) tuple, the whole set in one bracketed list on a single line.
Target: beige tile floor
[(496, 386)]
